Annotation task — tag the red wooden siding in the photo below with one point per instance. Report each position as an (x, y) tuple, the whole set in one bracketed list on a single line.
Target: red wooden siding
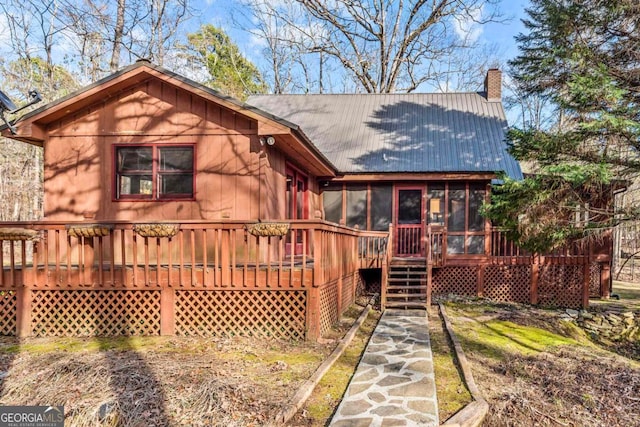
[(235, 176)]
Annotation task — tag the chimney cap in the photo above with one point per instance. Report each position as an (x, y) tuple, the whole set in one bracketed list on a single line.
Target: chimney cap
[(493, 85)]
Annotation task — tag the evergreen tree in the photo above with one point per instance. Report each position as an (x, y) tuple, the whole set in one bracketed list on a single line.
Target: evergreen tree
[(229, 71), (583, 56)]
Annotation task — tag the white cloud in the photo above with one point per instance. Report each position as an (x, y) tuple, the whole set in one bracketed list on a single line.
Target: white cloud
[(466, 27), (257, 41), (5, 36)]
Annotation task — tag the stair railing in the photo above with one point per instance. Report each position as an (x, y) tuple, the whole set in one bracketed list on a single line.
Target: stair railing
[(385, 269)]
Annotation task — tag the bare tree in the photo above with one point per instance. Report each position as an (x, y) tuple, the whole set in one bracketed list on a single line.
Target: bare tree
[(533, 111), (380, 46), (129, 29), (118, 34)]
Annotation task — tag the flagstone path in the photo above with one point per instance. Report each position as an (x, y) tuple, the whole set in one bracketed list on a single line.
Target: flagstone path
[(394, 384)]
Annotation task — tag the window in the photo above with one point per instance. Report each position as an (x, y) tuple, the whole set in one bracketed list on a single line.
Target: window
[(381, 196), (465, 225), (357, 207), (332, 199), (435, 207), (154, 172), (367, 206)]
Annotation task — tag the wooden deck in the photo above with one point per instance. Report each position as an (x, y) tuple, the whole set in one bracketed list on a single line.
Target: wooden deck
[(308, 275), (208, 277)]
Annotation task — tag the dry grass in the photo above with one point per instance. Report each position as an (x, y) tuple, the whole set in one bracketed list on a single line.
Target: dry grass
[(158, 381), (537, 370)]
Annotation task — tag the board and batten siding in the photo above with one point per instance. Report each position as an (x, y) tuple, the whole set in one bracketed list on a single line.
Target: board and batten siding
[(236, 177)]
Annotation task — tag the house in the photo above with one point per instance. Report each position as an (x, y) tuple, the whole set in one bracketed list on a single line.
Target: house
[(172, 209)]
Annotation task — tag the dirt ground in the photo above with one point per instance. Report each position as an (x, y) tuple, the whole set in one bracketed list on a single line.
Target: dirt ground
[(161, 381), (533, 368), (537, 370)]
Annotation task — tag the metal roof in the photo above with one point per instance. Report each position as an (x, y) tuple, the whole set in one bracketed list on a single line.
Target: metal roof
[(429, 132)]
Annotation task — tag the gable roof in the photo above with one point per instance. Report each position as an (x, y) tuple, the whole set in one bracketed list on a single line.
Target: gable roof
[(378, 133), (32, 126)]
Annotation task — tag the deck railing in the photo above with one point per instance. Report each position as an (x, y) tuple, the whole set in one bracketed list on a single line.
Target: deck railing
[(409, 240), (436, 245), (199, 254), (505, 251), (372, 248)]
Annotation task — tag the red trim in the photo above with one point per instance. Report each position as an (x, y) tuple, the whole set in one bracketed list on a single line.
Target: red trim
[(297, 173), (414, 237), (154, 173)]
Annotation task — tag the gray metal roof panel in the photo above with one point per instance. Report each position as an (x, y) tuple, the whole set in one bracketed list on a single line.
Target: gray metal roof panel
[(437, 132)]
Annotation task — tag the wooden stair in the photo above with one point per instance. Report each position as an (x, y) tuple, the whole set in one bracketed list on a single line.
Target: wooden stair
[(407, 284)]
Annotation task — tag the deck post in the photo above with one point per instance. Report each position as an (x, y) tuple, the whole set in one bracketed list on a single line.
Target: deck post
[(605, 280), (340, 253), (313, 293), (586, 281), (480, 282), (88, 259), (167, 311), (23, 311), (429, 282), (535, 276), (313, 313), (384, 282)]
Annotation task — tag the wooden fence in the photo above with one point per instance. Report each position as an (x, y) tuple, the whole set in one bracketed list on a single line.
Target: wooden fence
[(191, 278)]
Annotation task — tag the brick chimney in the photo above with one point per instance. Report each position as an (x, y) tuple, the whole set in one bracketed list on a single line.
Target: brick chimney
[(493, 85)]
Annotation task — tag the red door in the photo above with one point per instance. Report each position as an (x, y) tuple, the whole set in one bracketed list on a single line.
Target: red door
[(297, 207), (409, 222)]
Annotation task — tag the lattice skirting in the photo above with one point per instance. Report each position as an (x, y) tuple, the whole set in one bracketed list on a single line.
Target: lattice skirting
[(459, 280), (359, 284), (328, 306), (8, 313), (348, 285), (560, 286), (95, 313), (594, 284), (265, 313), (508, 283)]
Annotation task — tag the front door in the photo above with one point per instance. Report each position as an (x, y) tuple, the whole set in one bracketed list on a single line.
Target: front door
[(297, 208), (409, 228)]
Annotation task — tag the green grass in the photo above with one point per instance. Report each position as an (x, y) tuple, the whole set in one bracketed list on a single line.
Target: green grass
[(498, 338), (330, 389), (629, 294), (451, 390)]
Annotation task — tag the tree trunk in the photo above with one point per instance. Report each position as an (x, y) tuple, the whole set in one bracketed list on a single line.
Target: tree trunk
[(117, 36)]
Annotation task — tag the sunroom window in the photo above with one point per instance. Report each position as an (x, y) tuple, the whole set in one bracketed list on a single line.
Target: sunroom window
[(465, 225), (154, 172)]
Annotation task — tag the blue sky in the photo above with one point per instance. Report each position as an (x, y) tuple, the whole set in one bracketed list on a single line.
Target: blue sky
[(218, 12)]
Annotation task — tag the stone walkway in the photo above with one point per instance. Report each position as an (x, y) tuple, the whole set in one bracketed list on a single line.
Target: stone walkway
[(394, 383)]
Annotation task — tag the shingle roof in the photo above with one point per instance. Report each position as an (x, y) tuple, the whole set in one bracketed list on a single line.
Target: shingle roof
[(370, 133)]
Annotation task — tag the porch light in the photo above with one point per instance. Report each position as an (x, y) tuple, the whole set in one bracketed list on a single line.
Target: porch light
[(268, 140)]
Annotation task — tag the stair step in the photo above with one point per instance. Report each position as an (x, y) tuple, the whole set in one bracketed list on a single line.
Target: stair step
[(406, 305), (407, 279), (416, 277), (407, 288), (410, 273), (407, 297)]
